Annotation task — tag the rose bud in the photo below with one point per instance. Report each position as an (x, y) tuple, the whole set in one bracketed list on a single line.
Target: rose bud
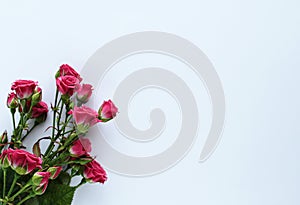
[(39, 190), (12, 101), (40, 181), (24, 88), (40, 178), (65, 69), (107, 111), (93, 172), (21, 161), (39, 112), (3, 140), (85, 118), (4, 159), (55, 171), (80, 147), (66, 84), (83, 93), (37, 96)]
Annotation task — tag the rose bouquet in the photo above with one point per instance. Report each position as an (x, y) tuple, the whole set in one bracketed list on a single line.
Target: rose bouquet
[(44, 176)]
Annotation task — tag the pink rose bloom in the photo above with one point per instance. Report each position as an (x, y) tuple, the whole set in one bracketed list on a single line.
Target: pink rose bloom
[(39, 111), (24, 88), (84, 92), (40, 180), (107, 111), (65, 69), (67, 84), (12, 101), (93, 172), (85, 118), (80, 147), (21, 161)]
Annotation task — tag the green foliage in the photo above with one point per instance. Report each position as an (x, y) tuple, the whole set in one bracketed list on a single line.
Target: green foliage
[(56, 194), (9, 178)]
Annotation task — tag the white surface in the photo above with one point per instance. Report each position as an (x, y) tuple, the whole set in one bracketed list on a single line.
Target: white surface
[(255, 48)]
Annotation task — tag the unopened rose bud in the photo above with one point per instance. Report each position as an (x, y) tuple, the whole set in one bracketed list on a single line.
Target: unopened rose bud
[(3, 138), (107, 111), (36, 97), (4, 159), (40, 182), (54, 171), (12, 101), (40, 178)]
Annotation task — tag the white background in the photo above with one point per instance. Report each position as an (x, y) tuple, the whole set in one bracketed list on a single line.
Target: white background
[(254, 46)]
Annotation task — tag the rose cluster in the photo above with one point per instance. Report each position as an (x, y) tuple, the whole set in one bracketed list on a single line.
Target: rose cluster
[(68, 153), (24, 163), (27, 97), (68, 83)]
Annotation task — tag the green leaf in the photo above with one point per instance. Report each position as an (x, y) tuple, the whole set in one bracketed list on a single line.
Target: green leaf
[(64, 178), (81, 161), (56, 194)]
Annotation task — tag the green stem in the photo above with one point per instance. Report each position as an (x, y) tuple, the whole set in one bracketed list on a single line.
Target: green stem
[(51, 145), (16, 177), (14, 120), (60, 105), (25, 199), (66, 117), (83, 181), (4, 182), (61, 130), (68, 132), (51, 156), (20, 127), (54, 113), (23, 138), (19, 192)]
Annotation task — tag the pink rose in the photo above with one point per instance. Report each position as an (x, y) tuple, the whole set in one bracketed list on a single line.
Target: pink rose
[(107, 111), (21, 161), (85, 118), (12, 101), (67, 84), (40, 180), (65, 69), (84, 92), (39, 111), (24, 88), (93, 172), (80, 147)]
